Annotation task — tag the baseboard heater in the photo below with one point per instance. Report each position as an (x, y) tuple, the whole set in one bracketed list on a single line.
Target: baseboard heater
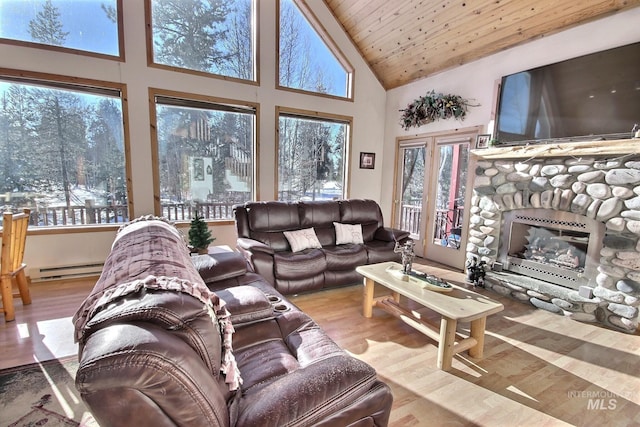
[(42, 274)]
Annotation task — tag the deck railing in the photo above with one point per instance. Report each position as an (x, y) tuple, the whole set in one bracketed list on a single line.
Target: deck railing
[(51, 216), (410, 218), (186, 211), (447, 221)]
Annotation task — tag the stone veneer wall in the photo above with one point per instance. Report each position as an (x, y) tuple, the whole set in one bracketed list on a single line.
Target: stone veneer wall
[(607, 190)]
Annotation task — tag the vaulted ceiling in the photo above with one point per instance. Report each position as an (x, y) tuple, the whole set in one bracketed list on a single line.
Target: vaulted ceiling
[(406, 40)]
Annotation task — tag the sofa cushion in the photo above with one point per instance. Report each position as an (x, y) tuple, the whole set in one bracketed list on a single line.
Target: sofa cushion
[(275, 240), (326, 235), (348, 233), (296, 375), (364, 212), (301, 284), (289, 265), (319, 213), (262, 354), (345, 257), (267, 221), (300, 240), (341, 278), (273, 216)]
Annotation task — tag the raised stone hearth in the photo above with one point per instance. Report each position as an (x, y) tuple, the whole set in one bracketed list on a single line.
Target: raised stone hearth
[(565, 178)]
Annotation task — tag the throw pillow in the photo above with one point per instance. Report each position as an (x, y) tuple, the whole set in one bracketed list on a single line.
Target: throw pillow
[(348, 233), (302, 239)]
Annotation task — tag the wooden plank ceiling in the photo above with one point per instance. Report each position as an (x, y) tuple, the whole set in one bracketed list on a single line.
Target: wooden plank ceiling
[(407, 40)]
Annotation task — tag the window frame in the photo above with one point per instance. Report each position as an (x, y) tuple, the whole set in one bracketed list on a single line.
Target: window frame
[(256, 51), (322, 32), (318, 116), (198, 100), (90, 86), (61, 49)]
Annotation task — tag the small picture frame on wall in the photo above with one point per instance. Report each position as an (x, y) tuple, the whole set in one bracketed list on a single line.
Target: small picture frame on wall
[(482, 141), (367, 160)]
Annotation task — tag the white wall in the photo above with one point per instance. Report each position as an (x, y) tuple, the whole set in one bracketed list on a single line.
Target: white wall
[(367, 111), (477, 80)]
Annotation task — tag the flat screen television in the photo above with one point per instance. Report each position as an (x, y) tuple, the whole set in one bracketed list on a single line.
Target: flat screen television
[(591, 97)]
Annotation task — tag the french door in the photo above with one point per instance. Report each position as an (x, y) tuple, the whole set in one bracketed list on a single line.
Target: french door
[(432, 185)]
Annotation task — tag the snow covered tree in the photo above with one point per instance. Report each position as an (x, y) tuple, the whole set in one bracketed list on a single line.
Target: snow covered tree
[(188, 33), (46, 27)]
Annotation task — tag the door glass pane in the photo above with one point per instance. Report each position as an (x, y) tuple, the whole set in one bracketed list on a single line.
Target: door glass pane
[(412, 190), (452, 164)]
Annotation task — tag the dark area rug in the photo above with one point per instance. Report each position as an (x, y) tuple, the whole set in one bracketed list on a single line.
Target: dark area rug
[(42, 394)]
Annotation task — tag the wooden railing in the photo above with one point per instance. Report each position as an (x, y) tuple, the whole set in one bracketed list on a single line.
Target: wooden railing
[(447, 221), (186, 211), (78, 215), (113, 214), (448, 224), (410, 218)]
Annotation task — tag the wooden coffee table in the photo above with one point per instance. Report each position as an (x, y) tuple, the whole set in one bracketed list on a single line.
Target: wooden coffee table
[(457, 305)]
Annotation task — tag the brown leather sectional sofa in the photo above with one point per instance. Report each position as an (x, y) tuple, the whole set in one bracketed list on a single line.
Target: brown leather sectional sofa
[(157, 345), (261, 230)]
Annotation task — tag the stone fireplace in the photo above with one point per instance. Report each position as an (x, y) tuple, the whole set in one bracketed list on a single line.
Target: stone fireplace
[(559, 227)]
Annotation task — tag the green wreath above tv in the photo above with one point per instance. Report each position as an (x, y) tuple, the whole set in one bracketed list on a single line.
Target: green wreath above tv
[(434, 106)]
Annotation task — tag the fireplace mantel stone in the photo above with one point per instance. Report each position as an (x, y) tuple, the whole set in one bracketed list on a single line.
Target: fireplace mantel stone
[(598, 179), (561, 149)]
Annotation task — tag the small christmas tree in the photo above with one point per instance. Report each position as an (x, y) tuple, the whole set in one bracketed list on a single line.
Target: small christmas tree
[(199, 234)]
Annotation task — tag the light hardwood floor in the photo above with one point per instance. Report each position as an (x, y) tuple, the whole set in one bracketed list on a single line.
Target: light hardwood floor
[(539, 369), (43, 329)]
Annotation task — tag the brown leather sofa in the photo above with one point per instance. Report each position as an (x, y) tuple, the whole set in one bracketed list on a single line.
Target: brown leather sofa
[(261, 228), (157, 346)]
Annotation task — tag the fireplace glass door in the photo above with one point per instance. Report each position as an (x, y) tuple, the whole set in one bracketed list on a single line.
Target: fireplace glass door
[(554, 246)]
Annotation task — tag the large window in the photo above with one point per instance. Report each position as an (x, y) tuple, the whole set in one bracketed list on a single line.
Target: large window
[(204, 36), (312, 154), (205, 155), (62, 150), (308, 59), (88, 26)]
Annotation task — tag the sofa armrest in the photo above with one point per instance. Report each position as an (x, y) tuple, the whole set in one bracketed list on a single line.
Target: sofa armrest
[(254, 246), (220, 266), (259, 256), (246, 304), (389, 234)]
